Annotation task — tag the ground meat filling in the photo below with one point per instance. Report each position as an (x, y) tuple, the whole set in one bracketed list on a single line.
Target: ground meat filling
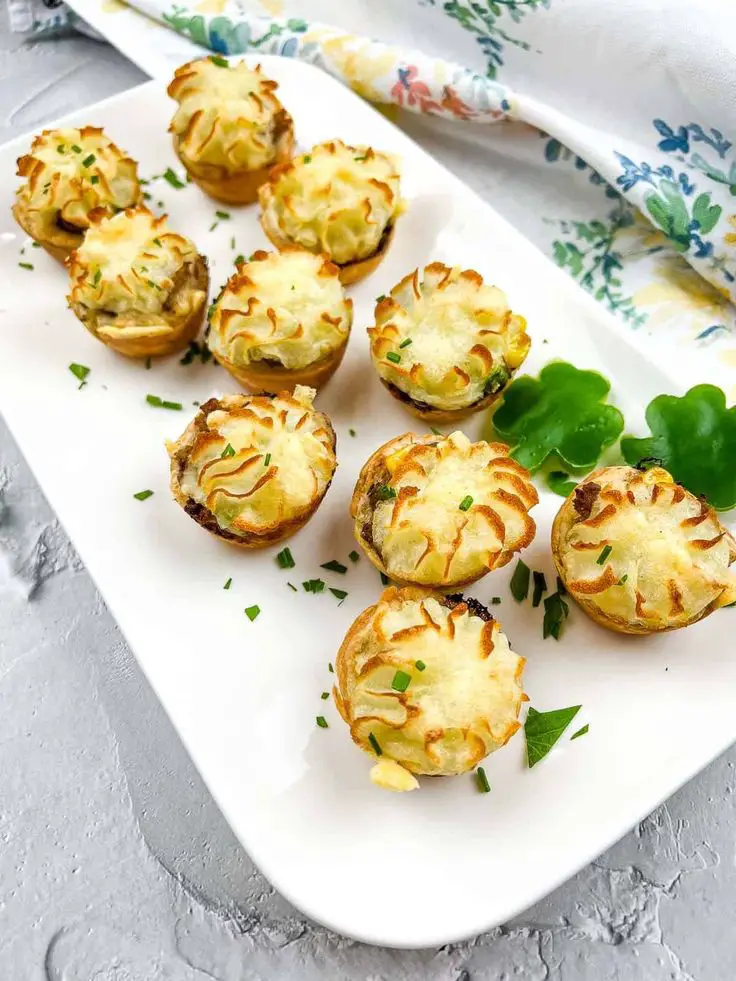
[(475, 608), (493, 386), (382, 244), (584, 499), (66, 226)]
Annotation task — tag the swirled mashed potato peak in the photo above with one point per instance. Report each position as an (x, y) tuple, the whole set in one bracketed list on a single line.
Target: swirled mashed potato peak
[(71, 172), (336, 199), (461, 704), (642, 552), (257, 462), (228, 115), (289, 307), (442, 511), (445, 338)]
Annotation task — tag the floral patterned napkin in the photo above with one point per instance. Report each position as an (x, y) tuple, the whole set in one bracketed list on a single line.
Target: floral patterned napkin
[(601, 130)]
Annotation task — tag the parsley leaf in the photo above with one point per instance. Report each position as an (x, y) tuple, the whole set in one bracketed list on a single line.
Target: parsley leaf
[(543, 729)]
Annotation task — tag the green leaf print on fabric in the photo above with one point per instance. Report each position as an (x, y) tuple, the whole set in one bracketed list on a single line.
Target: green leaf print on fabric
[(481, 19)]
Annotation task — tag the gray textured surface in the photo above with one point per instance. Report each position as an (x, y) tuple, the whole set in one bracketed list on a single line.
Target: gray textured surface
[(115, 865)]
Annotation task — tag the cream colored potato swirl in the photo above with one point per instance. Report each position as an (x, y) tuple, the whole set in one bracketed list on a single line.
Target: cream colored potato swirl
[(644, 551), (423, 535), (280, 462), (129, 263), (227, 116), (285, 306), (336, 199), (462, 706), (71, 172), (444, 337)]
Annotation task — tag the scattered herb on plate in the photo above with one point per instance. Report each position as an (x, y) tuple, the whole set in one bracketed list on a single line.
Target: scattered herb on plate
[(543, 729), (519, 584)]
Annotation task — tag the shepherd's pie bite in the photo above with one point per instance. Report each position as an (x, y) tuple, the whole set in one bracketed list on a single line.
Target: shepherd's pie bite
[(445, 344), (70, 173), (282, 320), (138, 286), (441, 511), (252, 469), (640, 554), (337, 199), (428, 684), (229, 128)]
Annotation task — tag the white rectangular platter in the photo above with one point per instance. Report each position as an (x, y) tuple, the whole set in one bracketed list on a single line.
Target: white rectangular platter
[(406, 870)]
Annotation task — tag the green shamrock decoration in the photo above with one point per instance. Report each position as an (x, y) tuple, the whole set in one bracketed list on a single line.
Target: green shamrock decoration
[(563, 412), (694, 437)]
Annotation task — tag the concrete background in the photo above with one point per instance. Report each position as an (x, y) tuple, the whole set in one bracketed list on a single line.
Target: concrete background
[(115, 864)]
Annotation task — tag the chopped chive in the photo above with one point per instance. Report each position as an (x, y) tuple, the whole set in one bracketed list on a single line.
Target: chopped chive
[(307, 158), (222, 215), (384, 578), (220, 62), (393, 357), (143, 495), (340, 594), (436, 431), (157, 241), (362, 158), (94, 179), (481, 781), (88, 161), (252, 612), (405, 343), (401, 681), (146, 196), (623, 579), (97, 277), (322, 722), (77, 149), (540, 587), (519, 584), (26, 265), (386, 493), (36, 245), (324, 696), (228, 451), (169, 176), (466, 503), (556, 611), (266, 459), (292, 586), (334, 566), (285, 559), (60, 148), (352, 432), (330, 668), (580, 732), (239, 259), (229, 583), (354, 557), (232, 242), (148, 363), (420, 665), (495, 600), (313, 585), (375, 745), (163, 403), (604, 554), (80, 371), (381, 297), (160, 204)]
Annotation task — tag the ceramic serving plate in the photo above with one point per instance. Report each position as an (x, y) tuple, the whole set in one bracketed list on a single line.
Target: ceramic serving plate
[(408, 870)]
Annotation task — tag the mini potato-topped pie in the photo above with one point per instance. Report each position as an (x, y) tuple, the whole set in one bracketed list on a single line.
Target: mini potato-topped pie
[(252, 469), (446, 344), (70, 173), (137, 285), (428, 685), (229, 128), (641, 554), (337, 199), (282, 320), (441, 511)]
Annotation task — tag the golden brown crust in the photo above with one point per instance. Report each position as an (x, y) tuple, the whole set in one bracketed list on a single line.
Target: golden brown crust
[(59, 243), (657, 559), (429, 414), (276, 378)]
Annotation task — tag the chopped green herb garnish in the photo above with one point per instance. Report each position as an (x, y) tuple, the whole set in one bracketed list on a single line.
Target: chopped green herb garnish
[(334, 566), (313, 585), (36, 245), (393, 357), (623, 579), (80, 372), (307, 158), (436, 431), (60, 148), (169, 176), (322, 722), (148, 363), (220, 62), (604, 554), (26, 265), (375, 744), (239, 260), (228, 451), (381, 297), (292, 586), (540, 587), (481, 781), (519, 584), (556, 611), (340, 594), (94, 179), (401, 681), (543, 729), (285, 559), (143, 495), (88, 161), (495, 600), (146, 196), (232, 242), (330, 668), (97, 277), (561, 587), (580, 732), (222, 215), (354, 557), (352, 432), (229, 583), (386, 493), (160, 403), (361, 158), (324, 696), (466, 503), (252, 612), (420, 665), (405, 343), (77, 149), (266, 459)]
